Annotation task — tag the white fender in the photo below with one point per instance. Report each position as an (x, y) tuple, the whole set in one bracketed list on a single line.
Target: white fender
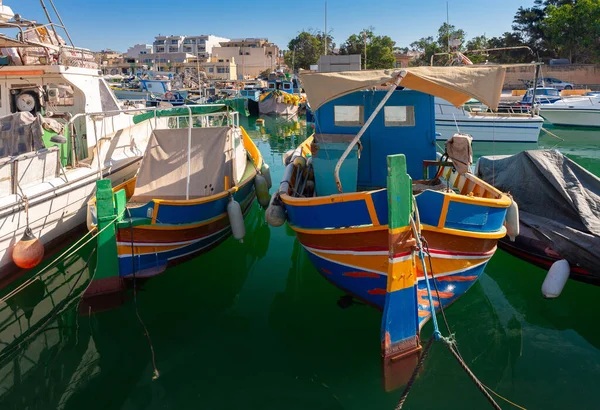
[(556, 279), (512, 220), (266, 172), (236, 220), (262, 190)]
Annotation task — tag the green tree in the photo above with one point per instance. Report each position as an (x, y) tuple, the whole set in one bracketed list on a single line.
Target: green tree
[(306, 48), (427, 47), (575, 29), (477, 43), (380, 49)]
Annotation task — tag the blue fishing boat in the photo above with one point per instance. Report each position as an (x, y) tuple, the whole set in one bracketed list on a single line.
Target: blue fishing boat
[(151, 91), (195, 185), (358, 196)]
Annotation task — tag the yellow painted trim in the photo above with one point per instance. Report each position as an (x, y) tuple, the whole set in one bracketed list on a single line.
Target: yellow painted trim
[(442, 220), (481, 235), (197, 201), (160, 227), (330, 199), (399, 230), (371, 209), (155, 211), (503, 202), (360, 229)]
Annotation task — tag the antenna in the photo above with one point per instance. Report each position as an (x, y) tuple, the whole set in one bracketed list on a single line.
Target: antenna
[(447, 29), (325, 32)]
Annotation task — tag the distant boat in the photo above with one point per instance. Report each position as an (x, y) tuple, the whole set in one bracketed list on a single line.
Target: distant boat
[(485, 125), (152, 91), (573, 111)]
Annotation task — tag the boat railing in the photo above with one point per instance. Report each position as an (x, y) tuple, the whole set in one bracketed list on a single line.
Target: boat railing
[(231, 117)]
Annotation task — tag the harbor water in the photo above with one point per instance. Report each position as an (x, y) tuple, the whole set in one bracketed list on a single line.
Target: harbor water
[(253, 326)]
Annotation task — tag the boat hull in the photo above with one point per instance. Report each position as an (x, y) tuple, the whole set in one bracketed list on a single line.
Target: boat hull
[(54, 217), (156, 247), (272, 107), (502, 130), (571, 117), (358, 264)]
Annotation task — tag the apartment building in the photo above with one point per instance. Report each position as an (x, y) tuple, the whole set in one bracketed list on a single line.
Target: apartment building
[(200, 46), (252, 55)]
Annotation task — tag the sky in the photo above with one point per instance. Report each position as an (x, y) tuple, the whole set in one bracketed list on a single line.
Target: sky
[(119, 24)]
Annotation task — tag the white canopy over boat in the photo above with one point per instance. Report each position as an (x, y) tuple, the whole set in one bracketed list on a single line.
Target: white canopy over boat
[(454, 84)]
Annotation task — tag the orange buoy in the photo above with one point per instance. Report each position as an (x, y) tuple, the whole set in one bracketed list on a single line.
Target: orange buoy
[(29, 251)]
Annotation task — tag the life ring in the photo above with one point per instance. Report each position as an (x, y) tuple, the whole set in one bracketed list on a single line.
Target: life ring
[(169, 95)]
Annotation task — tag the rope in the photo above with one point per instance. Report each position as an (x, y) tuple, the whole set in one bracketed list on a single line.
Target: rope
[(552, 134), (474, 378), (52, 315), (156, 374), (65, 255), (414, 375)]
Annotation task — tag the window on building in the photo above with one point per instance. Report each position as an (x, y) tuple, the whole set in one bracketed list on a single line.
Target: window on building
[(399, 116), (348, 115), (211, 69), (174, 41)]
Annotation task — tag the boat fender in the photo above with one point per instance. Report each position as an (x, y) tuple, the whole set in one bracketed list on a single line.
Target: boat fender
[(236, 220), (275, 214), (262, 190), (556, 279), (287, 157), (284, 185), (512, 220), (266, 172), (29, 251), (300, 162)]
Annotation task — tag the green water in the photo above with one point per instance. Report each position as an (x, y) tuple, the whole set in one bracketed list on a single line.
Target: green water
[(254, 326)]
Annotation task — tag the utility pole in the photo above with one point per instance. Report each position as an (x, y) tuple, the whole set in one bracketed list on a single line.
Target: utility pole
[(365, 39)]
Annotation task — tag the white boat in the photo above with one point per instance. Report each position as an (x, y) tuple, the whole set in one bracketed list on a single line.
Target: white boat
[(484, 125), (574, 111), (46, 175)]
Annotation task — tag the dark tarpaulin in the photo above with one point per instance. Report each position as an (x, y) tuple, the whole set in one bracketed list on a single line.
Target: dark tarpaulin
[(557, 198)]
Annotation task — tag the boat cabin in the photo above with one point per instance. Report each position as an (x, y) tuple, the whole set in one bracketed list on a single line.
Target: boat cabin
[(543, 95), (405, 125)]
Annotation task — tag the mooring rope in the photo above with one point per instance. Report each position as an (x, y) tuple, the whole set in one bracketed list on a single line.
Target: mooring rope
[(449, 341)]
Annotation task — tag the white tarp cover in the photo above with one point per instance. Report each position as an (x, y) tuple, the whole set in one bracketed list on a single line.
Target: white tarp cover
[(164, 169), (454, 84)]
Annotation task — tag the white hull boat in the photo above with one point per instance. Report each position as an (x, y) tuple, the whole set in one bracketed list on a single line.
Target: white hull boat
[(485, 126), (61, 129), (576, 111)]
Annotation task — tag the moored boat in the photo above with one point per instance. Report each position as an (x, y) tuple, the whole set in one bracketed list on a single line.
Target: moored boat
[(558, 210), (581, 111), (62, 130), (277, 102), (365, 214), (485, 126), (195, 185)]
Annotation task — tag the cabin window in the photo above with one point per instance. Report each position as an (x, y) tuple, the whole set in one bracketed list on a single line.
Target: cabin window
[(286, 86), (348, 115), (107, 99), (399, 116)]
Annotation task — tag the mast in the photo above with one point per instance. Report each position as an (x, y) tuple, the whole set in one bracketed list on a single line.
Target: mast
[(447, 29), (325, 32)]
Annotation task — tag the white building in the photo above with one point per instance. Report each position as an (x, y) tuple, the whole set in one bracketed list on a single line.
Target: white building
[(200, 46), (252, 55), (139, 49)]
